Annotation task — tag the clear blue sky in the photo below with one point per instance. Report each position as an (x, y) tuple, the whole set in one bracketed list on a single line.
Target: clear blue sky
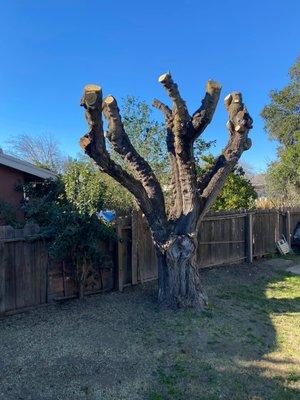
[(50, 49)]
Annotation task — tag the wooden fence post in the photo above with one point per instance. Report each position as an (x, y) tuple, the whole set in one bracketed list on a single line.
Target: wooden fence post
[(134, 248), (249, 237), (277, 226), (288, 227), (121, 257)]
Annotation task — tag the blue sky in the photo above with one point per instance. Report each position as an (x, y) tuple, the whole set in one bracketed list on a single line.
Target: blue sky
[(51, 49)]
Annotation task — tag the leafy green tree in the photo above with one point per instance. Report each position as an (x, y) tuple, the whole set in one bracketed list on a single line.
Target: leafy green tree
[(68, 218), (237, 193), (283, 175), (282, 115), (148, 136), (84, 186), (282, 122)]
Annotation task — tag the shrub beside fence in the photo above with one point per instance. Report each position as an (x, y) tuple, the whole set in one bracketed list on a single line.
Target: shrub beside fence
[(28, 277)]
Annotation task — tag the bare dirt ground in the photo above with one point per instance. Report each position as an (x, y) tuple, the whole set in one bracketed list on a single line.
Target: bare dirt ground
[(245, 345)]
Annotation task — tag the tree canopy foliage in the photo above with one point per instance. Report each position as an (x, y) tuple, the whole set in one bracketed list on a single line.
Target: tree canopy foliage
[(282, 122), (282, 115), (237, 193), (65, 210)]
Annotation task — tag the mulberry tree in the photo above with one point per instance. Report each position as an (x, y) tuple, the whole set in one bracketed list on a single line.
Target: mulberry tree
[(174, 231)]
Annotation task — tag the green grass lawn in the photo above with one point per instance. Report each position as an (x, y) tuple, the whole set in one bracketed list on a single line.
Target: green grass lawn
[(246, 345)]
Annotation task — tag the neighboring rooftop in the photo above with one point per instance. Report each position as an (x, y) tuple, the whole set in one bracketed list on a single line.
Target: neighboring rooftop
[(24, 166)]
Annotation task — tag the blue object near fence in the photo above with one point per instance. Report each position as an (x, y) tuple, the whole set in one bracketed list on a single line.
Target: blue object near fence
[(107, 215)]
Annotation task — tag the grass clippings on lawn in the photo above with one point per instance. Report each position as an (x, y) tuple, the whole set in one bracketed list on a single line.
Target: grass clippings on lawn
[(244, 346)]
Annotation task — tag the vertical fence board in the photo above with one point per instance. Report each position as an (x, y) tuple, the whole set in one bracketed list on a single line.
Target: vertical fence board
[(249, 239), (134, 251), (147, 263)]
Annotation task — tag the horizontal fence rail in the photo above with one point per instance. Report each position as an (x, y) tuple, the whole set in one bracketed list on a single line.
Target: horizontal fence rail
[(28, 276)]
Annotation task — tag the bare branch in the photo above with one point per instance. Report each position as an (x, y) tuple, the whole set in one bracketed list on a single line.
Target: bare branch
[(175, 181), (239, 124), (180, 111), (93, 144), (203, 116), (180, 148), (121, 144), (165, 110)]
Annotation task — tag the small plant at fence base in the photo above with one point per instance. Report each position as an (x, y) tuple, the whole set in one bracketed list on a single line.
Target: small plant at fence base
[(68, 223)]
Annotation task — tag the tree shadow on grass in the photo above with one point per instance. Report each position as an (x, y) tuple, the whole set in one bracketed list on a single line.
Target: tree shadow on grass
[(232, 351)]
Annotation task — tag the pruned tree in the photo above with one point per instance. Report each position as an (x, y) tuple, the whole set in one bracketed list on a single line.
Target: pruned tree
[(174, 232)]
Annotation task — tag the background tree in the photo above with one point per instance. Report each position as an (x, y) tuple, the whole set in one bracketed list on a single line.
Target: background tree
[(282, 122), (148, 138), (174, 234), (237, 193), (42, 151)]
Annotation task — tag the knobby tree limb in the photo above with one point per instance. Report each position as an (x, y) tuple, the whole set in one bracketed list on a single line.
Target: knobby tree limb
[(203, 116), (183, 130), (180, 150), (120, 142), (175, 181), (239, 124), (192, 196), (144, 186)]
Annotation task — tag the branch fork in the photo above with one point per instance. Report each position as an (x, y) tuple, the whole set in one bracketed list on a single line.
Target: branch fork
[(192, 195)]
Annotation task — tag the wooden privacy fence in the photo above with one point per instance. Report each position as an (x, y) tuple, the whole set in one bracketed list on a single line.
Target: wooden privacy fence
[(28, 276), (224, 238)]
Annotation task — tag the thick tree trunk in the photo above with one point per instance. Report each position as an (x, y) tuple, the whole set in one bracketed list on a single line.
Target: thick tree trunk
[(178, 275)]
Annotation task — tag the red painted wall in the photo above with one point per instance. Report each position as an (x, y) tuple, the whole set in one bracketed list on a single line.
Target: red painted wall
[(9, 178)]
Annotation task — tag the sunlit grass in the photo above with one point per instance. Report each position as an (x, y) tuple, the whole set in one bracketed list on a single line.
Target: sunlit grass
[(246, 345)]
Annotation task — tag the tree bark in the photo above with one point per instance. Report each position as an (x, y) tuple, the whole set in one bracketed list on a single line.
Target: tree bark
[(178, 274)]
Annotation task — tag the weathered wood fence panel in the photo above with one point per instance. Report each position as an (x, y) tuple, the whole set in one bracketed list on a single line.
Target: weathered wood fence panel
[(145, 251), (23, 269), (222, 240), (265, 232), (28, 277)]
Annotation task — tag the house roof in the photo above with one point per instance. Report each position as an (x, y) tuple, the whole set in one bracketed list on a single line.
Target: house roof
[(24, 166)]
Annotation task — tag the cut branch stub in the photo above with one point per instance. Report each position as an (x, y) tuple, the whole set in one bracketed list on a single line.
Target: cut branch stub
[(203, 116), (92, 96), (93, 140), (179, 107), (239, 118)]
